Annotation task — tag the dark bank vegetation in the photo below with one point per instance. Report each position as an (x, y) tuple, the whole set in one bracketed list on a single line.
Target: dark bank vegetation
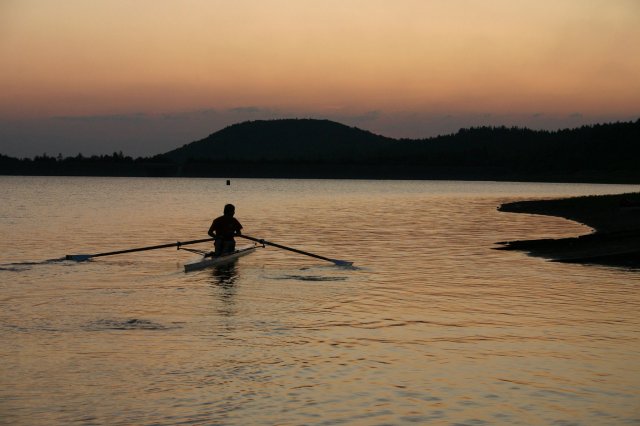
[(116, 164), (615, 220), (308, 148)]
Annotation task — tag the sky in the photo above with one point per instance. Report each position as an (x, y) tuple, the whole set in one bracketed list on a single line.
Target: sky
[(146, 76)]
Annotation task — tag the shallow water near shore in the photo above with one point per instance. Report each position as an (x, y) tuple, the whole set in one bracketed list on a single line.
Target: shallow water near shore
[(431, 326)]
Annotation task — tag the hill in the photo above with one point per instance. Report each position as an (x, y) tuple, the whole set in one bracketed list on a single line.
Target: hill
[(289, 140), (314, 148)]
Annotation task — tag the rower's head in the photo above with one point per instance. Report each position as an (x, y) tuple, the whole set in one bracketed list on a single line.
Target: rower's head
[(229, 210)]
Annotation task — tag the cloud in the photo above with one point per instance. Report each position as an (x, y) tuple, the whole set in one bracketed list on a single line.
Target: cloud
[(189, 115), (366, 117), (135, 117), (247, 110)]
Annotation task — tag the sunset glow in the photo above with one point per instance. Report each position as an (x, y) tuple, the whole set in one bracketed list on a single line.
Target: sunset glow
[(395, 68)]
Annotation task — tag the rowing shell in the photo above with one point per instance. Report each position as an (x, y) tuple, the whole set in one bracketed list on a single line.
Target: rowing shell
[(208, 261)]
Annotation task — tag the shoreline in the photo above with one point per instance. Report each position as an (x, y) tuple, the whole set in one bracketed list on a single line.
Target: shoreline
[(615, 220)]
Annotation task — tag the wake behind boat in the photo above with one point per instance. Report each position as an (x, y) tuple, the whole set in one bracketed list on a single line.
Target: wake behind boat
[(209, 260)]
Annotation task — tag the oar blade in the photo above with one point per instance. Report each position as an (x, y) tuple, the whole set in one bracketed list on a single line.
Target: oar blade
[(78, 257), (339, 262)]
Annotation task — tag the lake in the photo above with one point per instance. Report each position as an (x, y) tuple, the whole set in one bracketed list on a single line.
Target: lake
[(430, 326)]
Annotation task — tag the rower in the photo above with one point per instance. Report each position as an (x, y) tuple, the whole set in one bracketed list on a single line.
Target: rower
[(223, 229)]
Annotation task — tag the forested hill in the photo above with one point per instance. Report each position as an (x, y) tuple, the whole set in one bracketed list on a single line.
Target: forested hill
[(598, 152), (290, 140), (308, 148), (611, 147)]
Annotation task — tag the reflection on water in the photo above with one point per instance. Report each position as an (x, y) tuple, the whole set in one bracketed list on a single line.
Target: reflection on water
[(223, 279), (432, 326), (225, 275)]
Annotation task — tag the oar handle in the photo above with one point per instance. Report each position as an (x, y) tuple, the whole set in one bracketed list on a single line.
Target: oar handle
[(317, 256)]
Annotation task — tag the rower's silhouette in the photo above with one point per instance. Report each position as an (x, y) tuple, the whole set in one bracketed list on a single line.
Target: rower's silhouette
[(223, 229)]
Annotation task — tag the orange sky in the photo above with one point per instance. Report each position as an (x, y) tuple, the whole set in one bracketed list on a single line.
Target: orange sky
[(404, 65)]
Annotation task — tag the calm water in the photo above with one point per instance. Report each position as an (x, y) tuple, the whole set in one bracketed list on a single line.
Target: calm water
[(432, 327)]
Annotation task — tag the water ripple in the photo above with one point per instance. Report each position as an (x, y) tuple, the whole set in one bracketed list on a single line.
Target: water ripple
[(307, 278), (128, 324)]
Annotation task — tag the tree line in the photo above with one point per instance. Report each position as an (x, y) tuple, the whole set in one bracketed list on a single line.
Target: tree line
[(320, 148)]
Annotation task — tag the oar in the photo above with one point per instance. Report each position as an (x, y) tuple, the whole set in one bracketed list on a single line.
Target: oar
[(83, 257), (317, 256)]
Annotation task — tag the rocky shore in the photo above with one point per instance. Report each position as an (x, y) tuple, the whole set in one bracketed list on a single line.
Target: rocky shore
[(615, 239)]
